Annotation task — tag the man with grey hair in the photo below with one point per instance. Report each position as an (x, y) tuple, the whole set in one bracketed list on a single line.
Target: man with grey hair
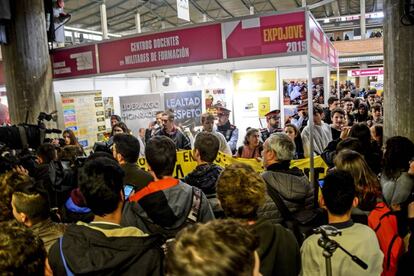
[(291, 184)]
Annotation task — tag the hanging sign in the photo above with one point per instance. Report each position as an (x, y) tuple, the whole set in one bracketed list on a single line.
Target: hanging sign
[(73, 62), (183, 10), (366, 72), (282, 33), (187, 107), (161, 49)]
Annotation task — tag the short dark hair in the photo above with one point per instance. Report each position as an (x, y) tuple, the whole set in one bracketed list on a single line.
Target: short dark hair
[(332, 99), (161, 155), (376, 107), (169, 113), (207, 145), (101, 182), (317, 109), (219, 247), (337, 110), (350, 143), (31, 201), (128, 146), (338, 192), (47, 152), (21, 251)]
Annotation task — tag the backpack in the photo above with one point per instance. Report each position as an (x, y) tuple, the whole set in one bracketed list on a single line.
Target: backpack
[(192, 218), (384, 222)]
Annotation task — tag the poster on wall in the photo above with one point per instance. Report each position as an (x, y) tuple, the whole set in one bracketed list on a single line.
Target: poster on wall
[(288, 112), (214, 98), (108, 106), (187, 107), (295, 91), (264, 106), (83, 112), (138, 111)]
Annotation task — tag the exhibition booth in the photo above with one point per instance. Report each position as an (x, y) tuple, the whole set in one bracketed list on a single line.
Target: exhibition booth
[(249, 65)]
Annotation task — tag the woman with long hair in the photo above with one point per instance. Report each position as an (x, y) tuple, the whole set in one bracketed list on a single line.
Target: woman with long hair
[(396, 183), (119, 128), (72, 148), (367, 185), (252, 146), (293, 132)]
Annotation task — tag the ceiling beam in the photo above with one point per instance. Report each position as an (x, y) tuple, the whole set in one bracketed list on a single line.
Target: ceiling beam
[(335, 8)]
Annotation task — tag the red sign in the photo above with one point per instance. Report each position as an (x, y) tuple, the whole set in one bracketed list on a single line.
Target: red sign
[(319, 43), (333, 56), (367, 72), (266, 35), (72, 62), (196, 44)]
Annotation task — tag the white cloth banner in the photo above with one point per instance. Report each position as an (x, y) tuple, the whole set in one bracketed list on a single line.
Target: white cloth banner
[(183, 10)]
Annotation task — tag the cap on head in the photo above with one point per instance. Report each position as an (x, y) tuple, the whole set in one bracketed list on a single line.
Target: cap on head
[(223, 110)]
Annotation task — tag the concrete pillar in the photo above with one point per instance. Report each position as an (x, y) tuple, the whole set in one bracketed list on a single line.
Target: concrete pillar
[(399, 73), (104, 22), (363, 81), (27, 65), (362, 20), (138, 22)]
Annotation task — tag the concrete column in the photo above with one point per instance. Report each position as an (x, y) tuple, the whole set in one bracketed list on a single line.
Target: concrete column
[(399, 73), (104, 22), (138, 22), (363, 27), (363, 81), (27, 64)]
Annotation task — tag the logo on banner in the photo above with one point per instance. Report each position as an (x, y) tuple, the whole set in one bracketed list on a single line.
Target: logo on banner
[(183, 10)]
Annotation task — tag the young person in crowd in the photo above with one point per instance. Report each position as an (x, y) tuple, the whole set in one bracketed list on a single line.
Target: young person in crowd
[(396, 183), (241, 191), (252, 147), (273, 124), (164, 205), (348, 106), (219, 247), (21, 251), (337, 119), (361, 114), (170, 130), (207, 121), (126, 150), (293, 133), (205, 175), (291, 183), (377, 134), (115, 119), (229, 131), (366, 182), (376, 115), (322, 134), (119, 128), (338, 197), (333, 102), (103, 246)]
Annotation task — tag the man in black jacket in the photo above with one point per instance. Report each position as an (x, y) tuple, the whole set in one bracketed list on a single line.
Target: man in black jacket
[(126, 151), (169, 129), (103, 247)]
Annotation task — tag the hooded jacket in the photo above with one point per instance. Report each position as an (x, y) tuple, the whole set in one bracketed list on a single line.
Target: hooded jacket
[(106, 249), (278, 250), (293, 187), (167, 207)]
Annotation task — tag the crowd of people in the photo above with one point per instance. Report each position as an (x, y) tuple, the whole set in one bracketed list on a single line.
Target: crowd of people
[(101, 214)]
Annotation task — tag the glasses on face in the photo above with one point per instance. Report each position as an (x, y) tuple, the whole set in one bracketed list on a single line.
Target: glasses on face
[(165, 121), (221, 114), (275, 117)]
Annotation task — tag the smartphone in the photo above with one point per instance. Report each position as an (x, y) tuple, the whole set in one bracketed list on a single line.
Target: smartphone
[(128, 189)]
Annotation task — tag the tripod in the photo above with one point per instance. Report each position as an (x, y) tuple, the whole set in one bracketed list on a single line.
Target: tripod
[(329, 246)]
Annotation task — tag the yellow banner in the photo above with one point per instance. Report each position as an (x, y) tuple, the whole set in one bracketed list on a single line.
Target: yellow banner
[(186, 164), (263, 80)]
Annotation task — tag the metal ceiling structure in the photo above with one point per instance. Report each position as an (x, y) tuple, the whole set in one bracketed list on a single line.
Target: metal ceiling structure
[(158, 14)]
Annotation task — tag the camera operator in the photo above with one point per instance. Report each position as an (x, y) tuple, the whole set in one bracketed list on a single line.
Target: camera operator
[(338, 197)]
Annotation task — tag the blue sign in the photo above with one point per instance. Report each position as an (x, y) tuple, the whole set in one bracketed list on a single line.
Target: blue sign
[(187, 107)]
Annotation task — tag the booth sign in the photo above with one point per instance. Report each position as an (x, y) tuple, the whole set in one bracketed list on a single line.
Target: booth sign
[(366, 72)]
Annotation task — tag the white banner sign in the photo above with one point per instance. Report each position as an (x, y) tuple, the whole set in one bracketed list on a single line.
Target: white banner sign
[(183, 10)]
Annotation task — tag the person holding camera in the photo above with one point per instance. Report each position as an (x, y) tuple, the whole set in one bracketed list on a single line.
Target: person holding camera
[(338, 198)]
